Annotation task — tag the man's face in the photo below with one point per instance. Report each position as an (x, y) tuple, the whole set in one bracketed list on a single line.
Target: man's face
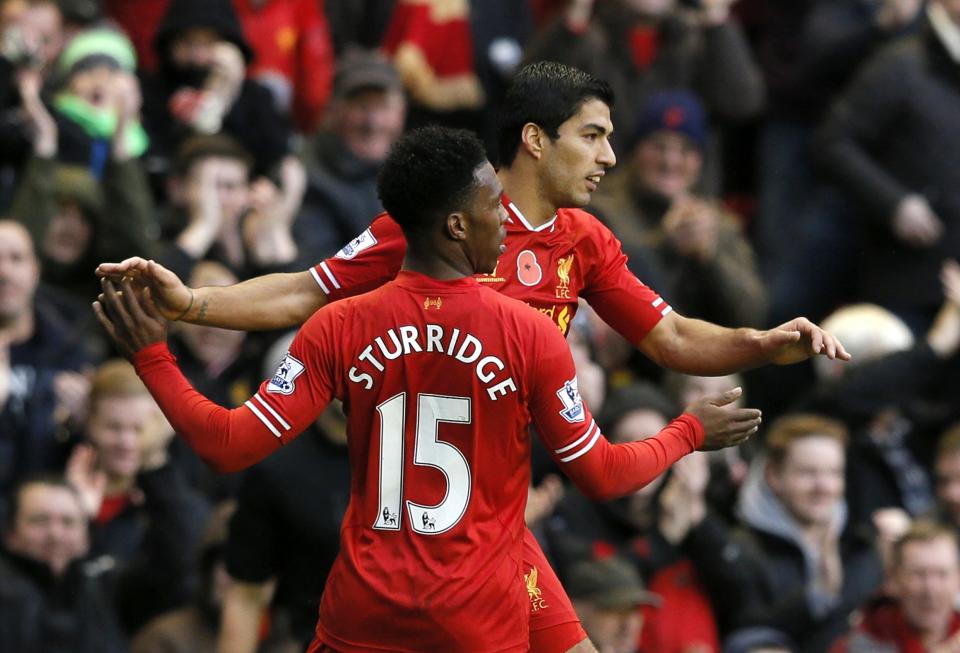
[(927, 582), (19, 272), (667, 163), (117, 427), (232, 182), (486, 218), (653, 8), (947, 470), (810, 482), (611, 631), (42, 24), (49, 526), (640, 424), (574, 163), (369, 121), (211, 345), (95, 85), (193, 48)]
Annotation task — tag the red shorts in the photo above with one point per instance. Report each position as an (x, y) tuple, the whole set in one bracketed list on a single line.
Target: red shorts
[(554, 625)]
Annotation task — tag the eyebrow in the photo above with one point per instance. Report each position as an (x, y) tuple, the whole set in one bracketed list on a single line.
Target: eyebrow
[(600, 128)]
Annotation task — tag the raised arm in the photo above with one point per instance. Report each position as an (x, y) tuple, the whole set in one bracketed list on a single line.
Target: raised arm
[(704, 349), (227, 440), (273, 301), (600, 469)]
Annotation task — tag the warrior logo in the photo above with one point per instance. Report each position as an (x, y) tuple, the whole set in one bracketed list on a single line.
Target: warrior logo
[(288, 370)]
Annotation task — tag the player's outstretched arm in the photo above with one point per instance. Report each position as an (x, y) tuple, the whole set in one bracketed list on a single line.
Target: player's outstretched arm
[(228, 440), (272, 301), (705, 349)]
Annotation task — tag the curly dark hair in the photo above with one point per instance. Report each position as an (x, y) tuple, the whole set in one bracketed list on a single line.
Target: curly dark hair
[(547, 94), (429, 173)]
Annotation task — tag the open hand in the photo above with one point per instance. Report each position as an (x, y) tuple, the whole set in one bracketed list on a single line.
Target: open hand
[(724, 424), (130, 317), (798, 340), (168, 292)]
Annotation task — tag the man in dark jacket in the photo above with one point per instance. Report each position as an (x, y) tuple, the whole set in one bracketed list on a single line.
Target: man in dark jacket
[(893, 141), (50, 602)]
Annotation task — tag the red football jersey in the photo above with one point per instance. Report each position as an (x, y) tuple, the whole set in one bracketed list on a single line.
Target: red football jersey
[(549, 267), (439, 381)]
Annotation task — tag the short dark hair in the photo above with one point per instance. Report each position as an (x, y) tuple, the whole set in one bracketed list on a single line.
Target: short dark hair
[(204, 146), (47, 479), (921, 530), (547, 94), (429, 173)]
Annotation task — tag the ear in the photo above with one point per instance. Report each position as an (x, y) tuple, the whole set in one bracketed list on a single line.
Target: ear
[(533, 139), (457, 228)]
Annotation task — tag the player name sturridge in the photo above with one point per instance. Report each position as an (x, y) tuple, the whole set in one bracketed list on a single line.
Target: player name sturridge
[(408, 339)]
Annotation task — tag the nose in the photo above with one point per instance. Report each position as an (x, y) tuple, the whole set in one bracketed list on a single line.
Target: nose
[(607, 158)]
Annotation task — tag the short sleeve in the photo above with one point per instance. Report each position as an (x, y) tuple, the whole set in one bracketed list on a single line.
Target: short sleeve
[(365, 263)]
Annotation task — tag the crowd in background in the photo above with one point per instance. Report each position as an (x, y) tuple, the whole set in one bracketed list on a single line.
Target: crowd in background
[(775, 158)]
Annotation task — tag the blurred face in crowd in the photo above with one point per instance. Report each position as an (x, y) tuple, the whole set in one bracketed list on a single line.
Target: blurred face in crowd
[(574, 163), (212, 346), (193, 48), (68, 234), (233, 185), (369, 121), (49, 526), (40, 26), (651, 7), (19, 272), (640, 424), (810, 481), (927, 581), (95, 85), (611, 630), (947, 468), (117, 428), (667, 163)]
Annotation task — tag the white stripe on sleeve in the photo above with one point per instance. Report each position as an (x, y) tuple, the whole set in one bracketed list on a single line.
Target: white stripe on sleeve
[(269, 408), (262, 418), (587, 448), (333, 279), (579, 440), (316, 277)]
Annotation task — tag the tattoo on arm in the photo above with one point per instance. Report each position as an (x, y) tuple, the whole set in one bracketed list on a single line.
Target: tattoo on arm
[(203, 310)]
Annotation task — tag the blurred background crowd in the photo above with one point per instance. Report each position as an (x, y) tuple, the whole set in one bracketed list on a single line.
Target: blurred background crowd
[(775, 158)]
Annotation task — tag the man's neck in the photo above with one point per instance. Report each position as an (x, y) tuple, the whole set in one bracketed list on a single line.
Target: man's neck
[(19, 329), (437, 262), (935, 634), (521, 186)]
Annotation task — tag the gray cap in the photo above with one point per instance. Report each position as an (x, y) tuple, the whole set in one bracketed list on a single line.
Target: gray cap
[(610, 584), (363, 69)]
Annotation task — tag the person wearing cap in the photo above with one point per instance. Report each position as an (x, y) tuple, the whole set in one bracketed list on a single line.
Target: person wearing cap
[(607, 595), (692, 247), (366, 115)]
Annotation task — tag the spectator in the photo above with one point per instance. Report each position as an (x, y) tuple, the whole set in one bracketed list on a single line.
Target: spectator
[(798, 564), (904, 178), (146, 522), (365, 117), (218, 213), (44, 391), (759, 640), (284, 536), (642, 46), (50, 600), (97, 106), (201, 89), (607, 595), (293, 55), (947, 473), (689, 248), (921, 614)]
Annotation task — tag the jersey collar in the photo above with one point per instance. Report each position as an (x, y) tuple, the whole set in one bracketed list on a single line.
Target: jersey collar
[(516, 218)]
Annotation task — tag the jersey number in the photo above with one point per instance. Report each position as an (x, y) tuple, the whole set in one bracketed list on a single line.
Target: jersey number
[(428, 451)]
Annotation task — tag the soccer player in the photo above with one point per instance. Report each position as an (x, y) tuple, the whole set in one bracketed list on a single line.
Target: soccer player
[(440, 377), (554, 146)]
